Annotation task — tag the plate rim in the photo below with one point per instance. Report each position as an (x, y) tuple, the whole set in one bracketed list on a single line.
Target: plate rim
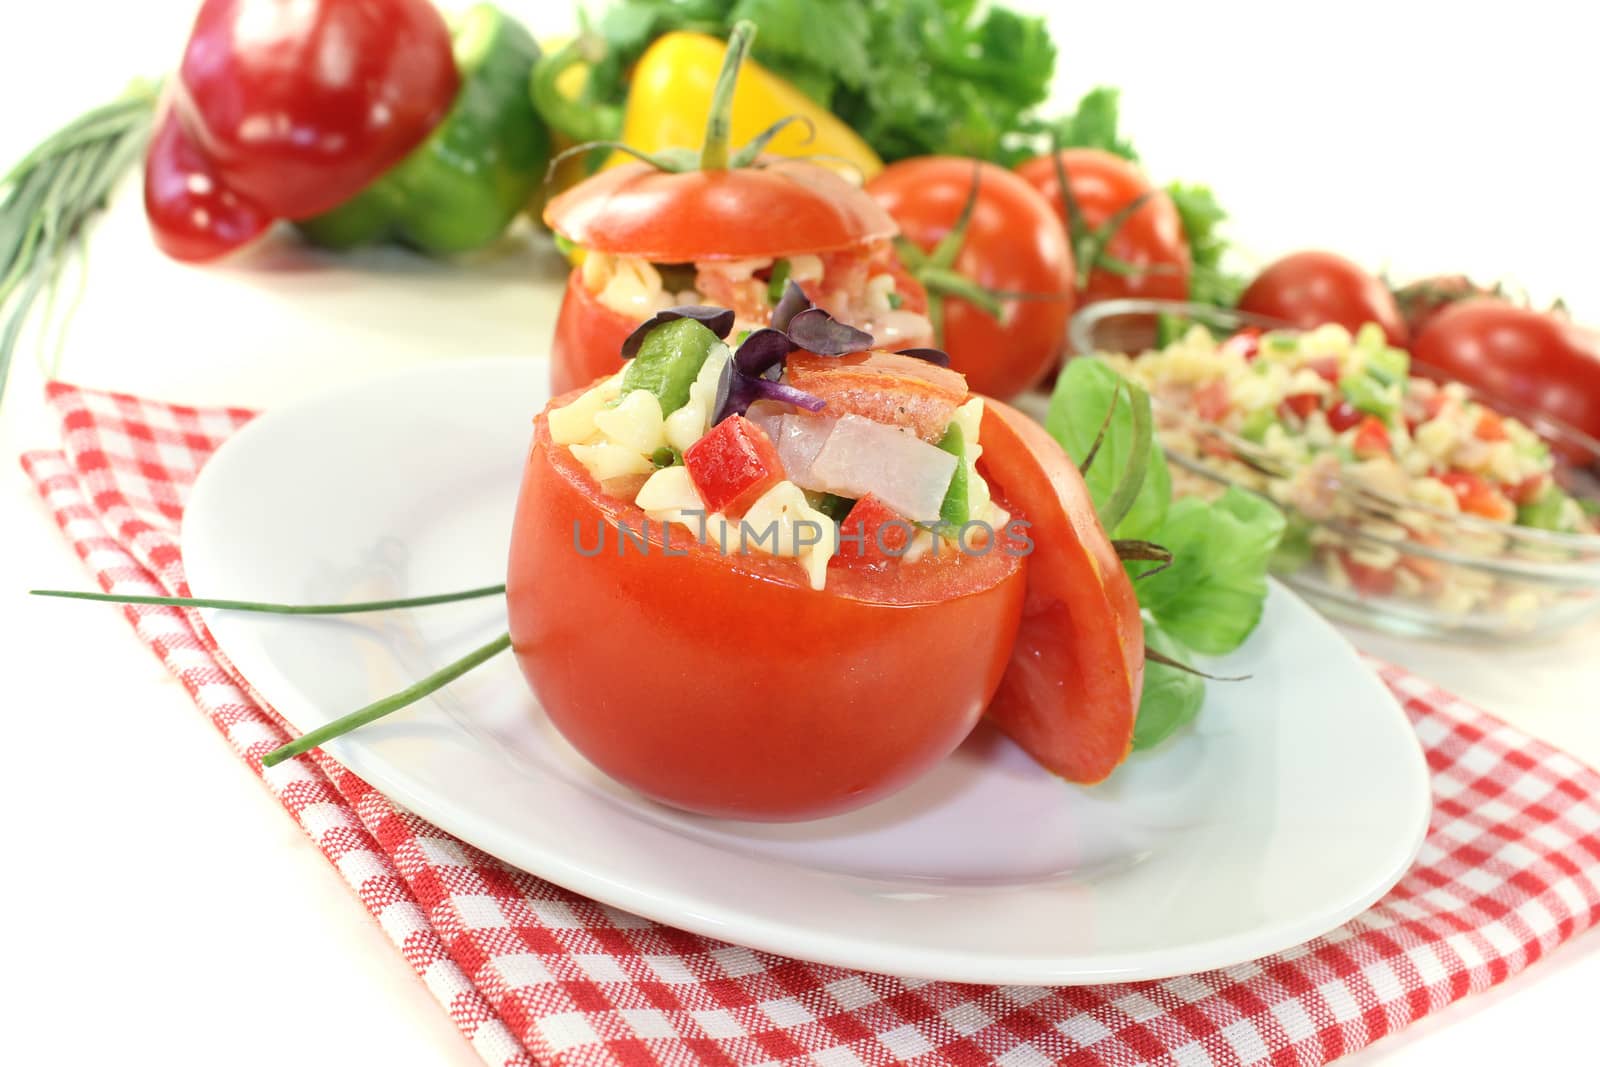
[(747, 926)]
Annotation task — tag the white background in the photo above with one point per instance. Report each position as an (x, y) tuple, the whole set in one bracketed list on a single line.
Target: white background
[(160, 903)]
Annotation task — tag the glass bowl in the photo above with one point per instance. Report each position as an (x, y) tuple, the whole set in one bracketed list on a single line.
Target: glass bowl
[(1362, 551)]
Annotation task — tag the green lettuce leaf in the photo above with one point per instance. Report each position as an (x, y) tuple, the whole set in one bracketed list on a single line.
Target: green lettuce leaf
[(1084, 392), (1212, 596), (1171, 697)]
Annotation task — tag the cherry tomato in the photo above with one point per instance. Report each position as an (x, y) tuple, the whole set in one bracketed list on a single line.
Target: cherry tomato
[(785, 208), (1309, 289), (1072, 689), (1531, 358), (1012, 245), (725, 684), (299, 104), (1150, 241), (193, 216)]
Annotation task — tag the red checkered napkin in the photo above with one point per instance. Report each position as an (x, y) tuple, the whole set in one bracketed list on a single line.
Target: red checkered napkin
[(532, 973)]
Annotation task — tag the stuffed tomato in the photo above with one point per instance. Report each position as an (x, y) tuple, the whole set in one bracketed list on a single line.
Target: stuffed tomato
[(782, 581), (647, 240)]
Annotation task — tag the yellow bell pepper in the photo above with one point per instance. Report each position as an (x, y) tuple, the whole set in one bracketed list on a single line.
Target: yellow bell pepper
[(669, 98)]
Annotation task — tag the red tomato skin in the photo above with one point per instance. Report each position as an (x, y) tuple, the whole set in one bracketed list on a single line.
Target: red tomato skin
[(1012, 245), (883, 386), (587, 343), (1152, 238), (733, 465), (1308, 289), (300, 119), (785, 208), (193, 216), (646, 663), (1071, 692), (1531, 358)]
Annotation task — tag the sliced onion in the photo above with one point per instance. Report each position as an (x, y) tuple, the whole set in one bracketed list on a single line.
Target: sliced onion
[(861, 456), (799, 438)]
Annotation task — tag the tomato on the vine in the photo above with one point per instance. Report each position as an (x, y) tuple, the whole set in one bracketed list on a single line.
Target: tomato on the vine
[(1309, 289), (1121, 250), (1010, 255), (1532, 358)]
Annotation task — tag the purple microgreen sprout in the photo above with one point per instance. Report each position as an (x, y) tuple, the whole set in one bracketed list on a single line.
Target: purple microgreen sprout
[(817, 331), (793, 302)]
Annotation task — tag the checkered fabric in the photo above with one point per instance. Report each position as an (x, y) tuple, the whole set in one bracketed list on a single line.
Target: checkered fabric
[(533, 974)]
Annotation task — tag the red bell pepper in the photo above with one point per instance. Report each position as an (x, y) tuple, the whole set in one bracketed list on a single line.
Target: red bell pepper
[(288, 108), (733, 465), (873, 532)]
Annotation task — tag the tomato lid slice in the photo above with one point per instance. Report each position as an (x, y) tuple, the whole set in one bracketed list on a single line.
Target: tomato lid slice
[(783, 207), (1071, 691)]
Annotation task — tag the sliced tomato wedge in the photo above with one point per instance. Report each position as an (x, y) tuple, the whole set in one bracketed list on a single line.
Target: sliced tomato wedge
[(883, 386), (1071, 691)]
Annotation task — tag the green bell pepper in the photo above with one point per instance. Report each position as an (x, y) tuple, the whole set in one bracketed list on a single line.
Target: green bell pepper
[(462, 187)]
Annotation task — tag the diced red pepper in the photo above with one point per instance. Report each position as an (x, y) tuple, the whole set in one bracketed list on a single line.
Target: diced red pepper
[(1478, 497), (1326, 368), (1344, 415), (1372, 438), (1300, 405), (1368, 581), (872, 532), (1211, 401), (733, 465), (1246, 343), (1490, 427)]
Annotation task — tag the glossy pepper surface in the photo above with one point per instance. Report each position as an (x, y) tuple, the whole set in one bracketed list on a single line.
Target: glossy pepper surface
[(287, 108), (464, 185)]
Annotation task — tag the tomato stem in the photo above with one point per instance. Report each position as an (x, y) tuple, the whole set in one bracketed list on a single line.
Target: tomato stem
[(394, 702), (719, 123), (352, 608)]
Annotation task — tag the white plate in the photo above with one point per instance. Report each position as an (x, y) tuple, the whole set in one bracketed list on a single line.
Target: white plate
[(1297, 800)]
